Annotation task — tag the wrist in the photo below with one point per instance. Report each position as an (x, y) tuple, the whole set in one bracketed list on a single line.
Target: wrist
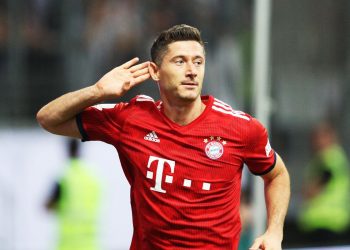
[(276, 231), (97, 93)]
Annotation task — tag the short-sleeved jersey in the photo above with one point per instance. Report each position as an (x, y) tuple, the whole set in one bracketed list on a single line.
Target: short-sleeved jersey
[(185, 180)]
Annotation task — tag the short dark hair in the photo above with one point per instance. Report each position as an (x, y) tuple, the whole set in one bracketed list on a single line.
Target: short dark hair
[(180, 32)]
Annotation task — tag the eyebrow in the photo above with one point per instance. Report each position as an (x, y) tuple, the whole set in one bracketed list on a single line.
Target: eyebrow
[(183, 56)]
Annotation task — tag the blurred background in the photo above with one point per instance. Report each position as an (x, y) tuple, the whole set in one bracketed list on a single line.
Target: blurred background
[(50, 47)]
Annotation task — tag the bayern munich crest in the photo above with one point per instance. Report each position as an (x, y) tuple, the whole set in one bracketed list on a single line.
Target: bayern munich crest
[(214, 147)]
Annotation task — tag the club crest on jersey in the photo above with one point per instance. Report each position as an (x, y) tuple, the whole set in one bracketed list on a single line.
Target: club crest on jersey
[(214, 147)]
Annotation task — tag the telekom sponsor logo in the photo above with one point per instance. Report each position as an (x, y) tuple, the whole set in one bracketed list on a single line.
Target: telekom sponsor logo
[(159, 172), (157, 175)]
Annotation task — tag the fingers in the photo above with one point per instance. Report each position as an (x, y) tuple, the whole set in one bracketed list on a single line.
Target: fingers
[(130, 63), (140, 72), (141, 78), (139, 67)]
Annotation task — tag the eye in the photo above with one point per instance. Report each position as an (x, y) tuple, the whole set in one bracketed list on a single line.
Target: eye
[(198, 62), (179, 62)]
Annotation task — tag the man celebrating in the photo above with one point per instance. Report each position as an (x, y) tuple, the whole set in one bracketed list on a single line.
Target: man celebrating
[(182, 155)]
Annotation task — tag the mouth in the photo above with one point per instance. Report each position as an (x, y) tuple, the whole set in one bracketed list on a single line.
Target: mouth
[(189, 83)]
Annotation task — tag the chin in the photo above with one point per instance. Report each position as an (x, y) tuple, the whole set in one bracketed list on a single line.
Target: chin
[(189, 98)]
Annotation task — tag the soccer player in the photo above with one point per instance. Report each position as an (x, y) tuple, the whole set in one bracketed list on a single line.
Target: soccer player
[(182, 155)]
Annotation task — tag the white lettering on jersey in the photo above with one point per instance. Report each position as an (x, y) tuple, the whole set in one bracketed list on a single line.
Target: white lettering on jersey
[(159, 172)]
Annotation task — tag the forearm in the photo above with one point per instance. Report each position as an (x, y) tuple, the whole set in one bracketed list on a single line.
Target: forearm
[(58, 116), (67, 107), (277, 195)]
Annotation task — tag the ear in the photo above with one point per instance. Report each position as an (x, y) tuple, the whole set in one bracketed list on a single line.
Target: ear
[(154, 71)]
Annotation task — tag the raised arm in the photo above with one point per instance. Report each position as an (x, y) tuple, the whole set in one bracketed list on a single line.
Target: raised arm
[(277, 194), (58, 116)]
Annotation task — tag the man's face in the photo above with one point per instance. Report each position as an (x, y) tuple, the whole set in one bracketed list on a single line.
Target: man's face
[(181, 72)]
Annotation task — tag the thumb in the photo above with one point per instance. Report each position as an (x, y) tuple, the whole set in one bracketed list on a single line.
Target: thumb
[(256, 245)]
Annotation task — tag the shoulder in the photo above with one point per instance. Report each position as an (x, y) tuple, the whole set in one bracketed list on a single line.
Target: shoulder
[(137, 101), (226, 111), (142, 100), (143, 103), (247, 125)]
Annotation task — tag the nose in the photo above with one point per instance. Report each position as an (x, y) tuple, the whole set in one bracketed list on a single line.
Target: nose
[(191, 70)]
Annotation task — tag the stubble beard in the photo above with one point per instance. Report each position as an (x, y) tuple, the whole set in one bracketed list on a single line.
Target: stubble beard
[(189, 97), (181, 95)]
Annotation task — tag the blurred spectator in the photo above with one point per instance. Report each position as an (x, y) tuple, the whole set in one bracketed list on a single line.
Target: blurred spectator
[(76, 199), (326, 210)]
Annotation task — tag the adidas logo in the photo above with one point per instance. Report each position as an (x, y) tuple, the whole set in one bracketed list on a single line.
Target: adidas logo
[(152, 136)]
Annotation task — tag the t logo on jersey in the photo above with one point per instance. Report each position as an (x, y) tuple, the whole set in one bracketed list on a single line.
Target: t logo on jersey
[(159, 172)]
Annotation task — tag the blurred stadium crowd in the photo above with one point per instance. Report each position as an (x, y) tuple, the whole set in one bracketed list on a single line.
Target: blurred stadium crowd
[(49, 47)]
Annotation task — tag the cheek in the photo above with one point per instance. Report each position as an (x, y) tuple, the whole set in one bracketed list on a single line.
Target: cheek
[(168, 82), (172, 77), (202, 72)]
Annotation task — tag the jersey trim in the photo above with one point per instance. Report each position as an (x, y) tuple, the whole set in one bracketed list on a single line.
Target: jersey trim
[(222, 107), (104, 106), (82, 131), (144, 98), (270, 168)]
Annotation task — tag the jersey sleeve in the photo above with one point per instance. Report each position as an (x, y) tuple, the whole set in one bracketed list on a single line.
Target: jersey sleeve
[(259, 156), (101, 122)]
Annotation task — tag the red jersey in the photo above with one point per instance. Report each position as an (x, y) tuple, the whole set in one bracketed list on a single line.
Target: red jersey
[(185, 180)]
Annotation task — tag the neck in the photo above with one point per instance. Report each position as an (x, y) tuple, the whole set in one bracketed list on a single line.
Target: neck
[(183, 114)]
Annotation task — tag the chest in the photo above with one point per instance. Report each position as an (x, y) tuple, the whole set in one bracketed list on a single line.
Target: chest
[(201, 157)]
